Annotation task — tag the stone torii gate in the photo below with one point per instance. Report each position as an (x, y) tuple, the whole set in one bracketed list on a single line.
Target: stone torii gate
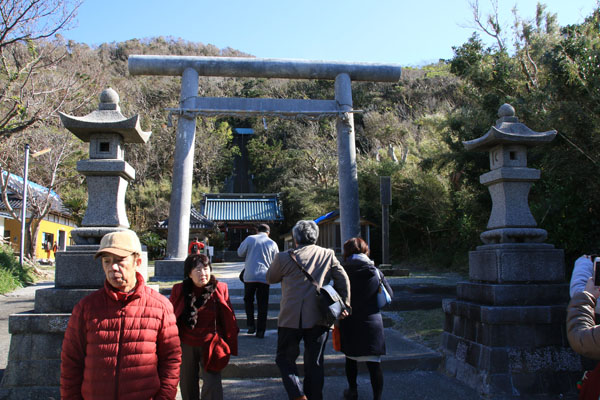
[(192, 106)]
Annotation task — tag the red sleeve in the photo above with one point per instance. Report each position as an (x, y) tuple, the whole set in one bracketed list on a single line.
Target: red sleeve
[(169, 356), (73, 356), (177, 299), (190, 248), (230, 326)]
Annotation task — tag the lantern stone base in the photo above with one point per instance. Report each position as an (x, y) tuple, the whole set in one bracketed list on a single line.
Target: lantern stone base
[(77, 268), (33, 369), (513, 350), (504, 334), (517, 262)]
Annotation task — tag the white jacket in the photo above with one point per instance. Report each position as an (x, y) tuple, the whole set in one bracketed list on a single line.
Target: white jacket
[(259, 251)]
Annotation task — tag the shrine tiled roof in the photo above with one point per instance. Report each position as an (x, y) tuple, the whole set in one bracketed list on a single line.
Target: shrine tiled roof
[(242, 207)]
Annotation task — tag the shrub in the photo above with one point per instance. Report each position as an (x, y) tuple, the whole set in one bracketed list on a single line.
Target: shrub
[(155, 245), (12, 275)]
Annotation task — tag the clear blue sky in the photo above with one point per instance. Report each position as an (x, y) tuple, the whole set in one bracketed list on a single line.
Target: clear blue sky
[(405, 32)]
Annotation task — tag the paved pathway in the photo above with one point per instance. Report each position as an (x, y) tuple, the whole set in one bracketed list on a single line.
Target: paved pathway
[(21, 300)]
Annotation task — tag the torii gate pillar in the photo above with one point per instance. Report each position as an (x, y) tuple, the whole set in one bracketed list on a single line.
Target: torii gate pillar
[(347, 173), (183, 169)]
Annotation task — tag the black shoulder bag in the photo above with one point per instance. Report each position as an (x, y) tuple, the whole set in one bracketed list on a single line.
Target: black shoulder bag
[(329, 301)]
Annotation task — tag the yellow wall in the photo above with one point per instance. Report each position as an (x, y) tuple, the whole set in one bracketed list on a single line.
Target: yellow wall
[(14, 227)]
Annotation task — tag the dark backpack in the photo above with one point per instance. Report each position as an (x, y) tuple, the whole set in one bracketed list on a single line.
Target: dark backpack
[(194, 248)]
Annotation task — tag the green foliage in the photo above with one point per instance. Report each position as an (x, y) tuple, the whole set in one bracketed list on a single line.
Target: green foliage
[(148, 203), (155, 245), (12, 276), (551, 80), (217, 240), (423, 326)]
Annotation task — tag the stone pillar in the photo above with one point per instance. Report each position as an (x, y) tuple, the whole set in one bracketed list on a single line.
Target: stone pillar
[(347, 172), (181, 189), (505, 334)]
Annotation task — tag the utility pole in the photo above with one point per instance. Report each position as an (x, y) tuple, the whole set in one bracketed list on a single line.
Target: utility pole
[(24, 206), (24, 201)]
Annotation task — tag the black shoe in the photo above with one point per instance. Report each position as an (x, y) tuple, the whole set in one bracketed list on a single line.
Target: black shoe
[(350, 394), (260, 334), (251, 330)]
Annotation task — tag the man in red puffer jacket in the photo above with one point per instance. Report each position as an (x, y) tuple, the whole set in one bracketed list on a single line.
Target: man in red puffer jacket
[(122, 341)]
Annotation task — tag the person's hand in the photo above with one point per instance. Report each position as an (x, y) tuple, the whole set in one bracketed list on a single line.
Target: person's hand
[(344, 314), (591, 288)]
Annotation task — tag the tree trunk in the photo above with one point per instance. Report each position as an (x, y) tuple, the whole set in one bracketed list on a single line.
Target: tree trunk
[(33, 230)]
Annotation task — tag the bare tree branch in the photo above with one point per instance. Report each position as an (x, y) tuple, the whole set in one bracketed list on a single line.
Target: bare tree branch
[(490, 25), (30, 92)]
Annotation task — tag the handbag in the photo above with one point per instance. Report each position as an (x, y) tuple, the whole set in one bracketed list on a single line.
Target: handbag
[(329, 301), (589, 386), (219, 351), (336, 339), (383, 297), (242, 275)]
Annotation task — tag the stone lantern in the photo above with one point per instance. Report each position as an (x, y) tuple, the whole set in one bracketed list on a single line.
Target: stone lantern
[(505, 334), (107, 173), (509, 180)]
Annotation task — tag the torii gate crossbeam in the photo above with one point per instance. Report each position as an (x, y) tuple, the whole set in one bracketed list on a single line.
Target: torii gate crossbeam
[(191, 106)]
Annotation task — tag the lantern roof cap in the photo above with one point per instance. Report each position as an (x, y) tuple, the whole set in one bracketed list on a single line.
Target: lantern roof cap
[(106, 119), (508, 130)]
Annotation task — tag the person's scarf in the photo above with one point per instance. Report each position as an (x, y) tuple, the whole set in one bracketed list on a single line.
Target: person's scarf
[(189, 316)]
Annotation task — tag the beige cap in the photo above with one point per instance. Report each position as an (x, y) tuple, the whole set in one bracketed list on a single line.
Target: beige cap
[(120, 243)]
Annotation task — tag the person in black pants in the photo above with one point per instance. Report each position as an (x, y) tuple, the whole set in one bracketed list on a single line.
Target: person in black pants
[(300, 318), (259, 251), (361, 334)]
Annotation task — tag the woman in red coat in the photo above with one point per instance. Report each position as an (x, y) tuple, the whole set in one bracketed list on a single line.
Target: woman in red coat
[(203, 309)]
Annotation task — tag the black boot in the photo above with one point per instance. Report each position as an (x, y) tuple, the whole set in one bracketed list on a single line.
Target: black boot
[(350, 394)]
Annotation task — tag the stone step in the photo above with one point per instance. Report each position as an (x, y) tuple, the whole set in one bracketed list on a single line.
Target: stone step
[(256, 357), (422, 288), (402, 300), (449, 290), (416, 301), (272, 321)]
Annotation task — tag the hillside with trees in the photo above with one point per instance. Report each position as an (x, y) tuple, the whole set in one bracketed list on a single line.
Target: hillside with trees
[(411, 130)]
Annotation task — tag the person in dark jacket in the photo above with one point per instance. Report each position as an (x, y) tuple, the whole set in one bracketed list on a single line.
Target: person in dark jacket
[(361, 334), (202, 308), (121, 341)]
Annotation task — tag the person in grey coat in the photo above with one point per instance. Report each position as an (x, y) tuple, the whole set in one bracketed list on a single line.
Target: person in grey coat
[(259, 251), (361, 334), (299, 316)]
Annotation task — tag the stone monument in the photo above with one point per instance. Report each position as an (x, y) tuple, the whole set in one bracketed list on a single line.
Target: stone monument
[(505, 334), (33, 370)]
